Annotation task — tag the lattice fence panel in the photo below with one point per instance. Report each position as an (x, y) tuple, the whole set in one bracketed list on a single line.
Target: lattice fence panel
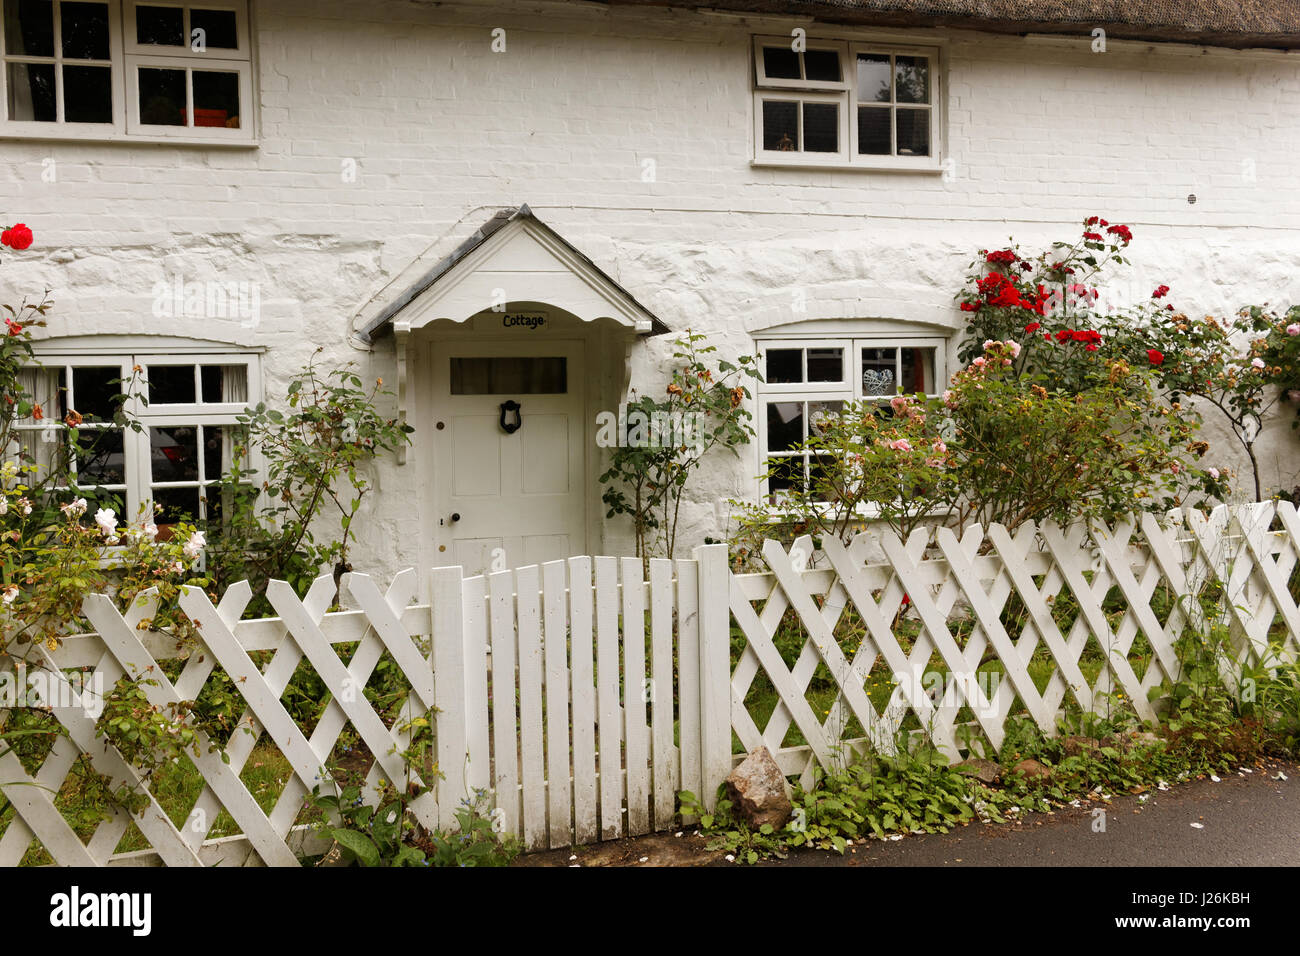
[(951, 635)]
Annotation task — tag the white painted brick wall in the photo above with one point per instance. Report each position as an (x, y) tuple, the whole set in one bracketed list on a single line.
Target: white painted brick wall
[(444, 131)]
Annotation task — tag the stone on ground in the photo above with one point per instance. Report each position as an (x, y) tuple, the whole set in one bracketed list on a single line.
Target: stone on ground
[(757, 789)]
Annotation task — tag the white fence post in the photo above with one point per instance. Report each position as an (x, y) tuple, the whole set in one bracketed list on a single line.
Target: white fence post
[(714, 595), (449, 691)]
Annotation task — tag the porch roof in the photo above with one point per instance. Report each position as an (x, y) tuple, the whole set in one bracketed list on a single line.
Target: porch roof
[(623, 306)]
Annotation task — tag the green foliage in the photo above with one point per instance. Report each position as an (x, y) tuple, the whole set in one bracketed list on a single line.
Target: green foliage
[(387, 835), (647, 476), (315, 456)]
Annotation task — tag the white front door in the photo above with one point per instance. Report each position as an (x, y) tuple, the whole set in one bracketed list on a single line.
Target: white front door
[(504, 498)]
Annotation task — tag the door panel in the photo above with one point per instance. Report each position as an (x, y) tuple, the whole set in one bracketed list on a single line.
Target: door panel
[(508, 499)]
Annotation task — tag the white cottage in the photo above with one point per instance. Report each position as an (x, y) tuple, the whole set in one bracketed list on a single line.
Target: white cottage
[(490, 202)]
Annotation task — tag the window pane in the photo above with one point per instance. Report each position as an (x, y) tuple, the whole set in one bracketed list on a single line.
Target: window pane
[(911, 79), (174, 453), (786, 473), (781, 125), (225, 383), (171, 384), (780, 63), (509, 376), (216, 99), (175, 504), (162, 97), (88, 94), (160, 26), (825, 365), (31, 92), (217, 447), (913, 132), (873, 130), (819, 412), (84, 30), (821, 127), (96, 391), (822, 65), (918, 371), (878, 371), (100, 458), (873, 78), (218, 28), (784, 365), (29, 27), (784, 425)]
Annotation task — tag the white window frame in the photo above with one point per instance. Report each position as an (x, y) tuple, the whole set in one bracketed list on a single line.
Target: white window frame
[(126, 57), (137, 484), (848, 389), (845, 93), (64, 128)]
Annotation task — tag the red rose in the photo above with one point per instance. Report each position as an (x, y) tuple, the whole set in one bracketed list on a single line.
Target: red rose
[(1161, 290), (1156, 356), (1092, 220), (14, 327), (1091, 348), (16, 237), (969, 307), (1033, 327), (1094, 236), (1003, 257), (1123, 232)]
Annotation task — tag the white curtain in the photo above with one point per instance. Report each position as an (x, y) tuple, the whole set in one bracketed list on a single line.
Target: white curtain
[(39, 442)]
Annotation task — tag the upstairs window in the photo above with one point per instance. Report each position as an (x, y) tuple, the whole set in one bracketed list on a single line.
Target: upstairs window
[(845, 104), (122, 69)]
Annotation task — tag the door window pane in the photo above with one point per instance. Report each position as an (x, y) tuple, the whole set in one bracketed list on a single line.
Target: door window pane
[(162, 97), (781, 125), (522, 375), (821, 127), (84, 30), (29, 27)]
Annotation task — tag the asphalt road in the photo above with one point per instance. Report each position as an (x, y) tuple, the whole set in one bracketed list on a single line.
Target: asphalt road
[(1246, 819)]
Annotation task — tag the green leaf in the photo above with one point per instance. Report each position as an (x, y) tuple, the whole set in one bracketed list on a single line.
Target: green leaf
[(358, 845)]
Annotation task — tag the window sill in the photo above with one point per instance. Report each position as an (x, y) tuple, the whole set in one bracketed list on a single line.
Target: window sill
[(842, 167), (129, 139)]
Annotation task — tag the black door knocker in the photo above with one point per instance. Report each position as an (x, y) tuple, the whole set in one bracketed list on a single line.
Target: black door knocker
[(507, 409)]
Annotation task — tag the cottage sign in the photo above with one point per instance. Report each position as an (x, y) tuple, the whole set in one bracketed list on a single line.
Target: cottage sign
[(524, 321)]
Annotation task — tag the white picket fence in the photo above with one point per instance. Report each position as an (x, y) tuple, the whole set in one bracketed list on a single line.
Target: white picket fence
[(582, 696)]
